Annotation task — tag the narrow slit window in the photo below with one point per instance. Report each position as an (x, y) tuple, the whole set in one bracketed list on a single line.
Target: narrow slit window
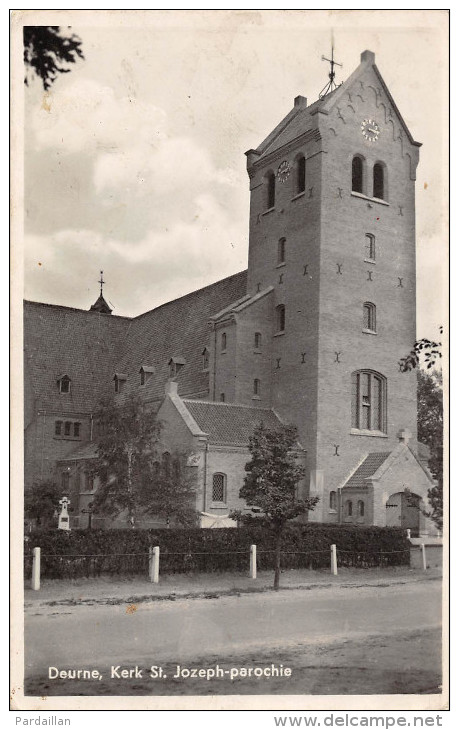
[(280, 318), (370, 247), (270, 183), (281, 248)]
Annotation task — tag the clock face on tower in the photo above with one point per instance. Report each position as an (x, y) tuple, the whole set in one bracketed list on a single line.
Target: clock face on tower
[(370, 130), (283, 171)]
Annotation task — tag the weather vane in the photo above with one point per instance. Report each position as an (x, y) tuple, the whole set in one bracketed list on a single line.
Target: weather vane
[(331, 86), (101, 281)]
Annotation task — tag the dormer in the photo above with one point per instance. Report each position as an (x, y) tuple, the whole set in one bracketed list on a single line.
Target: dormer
[(119, 380), (146, 371), (64, 383), (175, 365)]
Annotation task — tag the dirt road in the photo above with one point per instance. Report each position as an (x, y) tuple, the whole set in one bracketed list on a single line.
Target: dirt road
[(387, 634)]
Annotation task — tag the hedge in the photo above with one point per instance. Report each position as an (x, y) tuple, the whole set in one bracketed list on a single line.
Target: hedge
[(122, 551)]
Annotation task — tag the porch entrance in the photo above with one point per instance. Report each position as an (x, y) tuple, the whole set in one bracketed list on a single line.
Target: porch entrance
[(403, 510)]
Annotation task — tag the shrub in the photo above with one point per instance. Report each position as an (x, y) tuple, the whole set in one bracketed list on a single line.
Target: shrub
[(87, 553)]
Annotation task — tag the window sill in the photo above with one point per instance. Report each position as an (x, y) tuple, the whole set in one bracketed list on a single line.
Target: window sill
[(369, 332), (218, 505), (279, 334), (354, 194), (256, 397), (67, 438), (222, 352), (282, 263), (370, 261), (332, 511), (299, 195), (270, 210), (257, 352), (363, 432)]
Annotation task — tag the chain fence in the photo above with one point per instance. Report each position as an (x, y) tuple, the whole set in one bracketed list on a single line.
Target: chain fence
[(191, 561)]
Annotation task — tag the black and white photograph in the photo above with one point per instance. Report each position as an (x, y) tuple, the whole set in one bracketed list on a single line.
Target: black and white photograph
[(230, 318)]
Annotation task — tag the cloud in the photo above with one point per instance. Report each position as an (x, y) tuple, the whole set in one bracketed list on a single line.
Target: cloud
[(64, 268)]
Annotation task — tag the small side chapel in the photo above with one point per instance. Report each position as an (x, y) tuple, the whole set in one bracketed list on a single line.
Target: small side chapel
[(311, 334)]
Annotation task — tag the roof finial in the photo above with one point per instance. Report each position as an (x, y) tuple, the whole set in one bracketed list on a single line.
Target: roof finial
[(101, 282), (331, 86)]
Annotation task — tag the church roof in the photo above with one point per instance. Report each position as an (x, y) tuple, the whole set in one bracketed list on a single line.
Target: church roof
[(301, 120), (367, 468), (228, 423), (84, 345), (178, 329), (100, 305)]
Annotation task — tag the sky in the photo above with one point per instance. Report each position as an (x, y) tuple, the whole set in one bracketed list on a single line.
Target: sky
[(134, 161)]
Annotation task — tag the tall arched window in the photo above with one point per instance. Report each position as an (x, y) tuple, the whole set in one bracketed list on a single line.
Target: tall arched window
[(357, 175), (361, 508), (281, 247), (333, 502), (300, 176), (348, 508), (378, 181), (270, 192), (223, 342), (369, 401), (280, 318), (219, 488), (369, 317), (370, 247)]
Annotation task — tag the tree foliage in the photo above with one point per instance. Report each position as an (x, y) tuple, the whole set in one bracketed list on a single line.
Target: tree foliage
[(136, 476), (425, 352), (48, 51), (271, 482), (430, 433), (41, 501)]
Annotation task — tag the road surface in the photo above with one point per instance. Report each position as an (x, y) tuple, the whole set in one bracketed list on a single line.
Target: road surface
[(178, 631)]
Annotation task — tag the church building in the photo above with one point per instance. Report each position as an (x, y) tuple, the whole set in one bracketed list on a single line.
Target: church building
[(310, 335)]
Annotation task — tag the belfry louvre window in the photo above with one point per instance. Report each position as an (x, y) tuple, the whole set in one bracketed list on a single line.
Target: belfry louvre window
[(369, 401), (357, 175), (369, 317), (219, 488), (270, 185), (378, 181), (300, 180)]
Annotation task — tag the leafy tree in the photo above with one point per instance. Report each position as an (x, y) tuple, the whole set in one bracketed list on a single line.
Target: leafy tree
[(48, 51), (271, 481), (134, 476), (430, 433), (41, 501), (425, 352)]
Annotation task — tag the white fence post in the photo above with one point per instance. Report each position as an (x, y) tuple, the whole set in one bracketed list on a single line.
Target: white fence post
[(36, 569), (154, 565), (253, 561), (334, 563), (423, 556)]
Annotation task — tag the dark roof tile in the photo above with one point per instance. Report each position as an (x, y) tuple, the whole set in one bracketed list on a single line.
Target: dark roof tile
[(366, 469), (227, 423)]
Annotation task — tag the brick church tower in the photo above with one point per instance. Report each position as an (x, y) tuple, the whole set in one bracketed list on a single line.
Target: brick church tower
[(332, 244)]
